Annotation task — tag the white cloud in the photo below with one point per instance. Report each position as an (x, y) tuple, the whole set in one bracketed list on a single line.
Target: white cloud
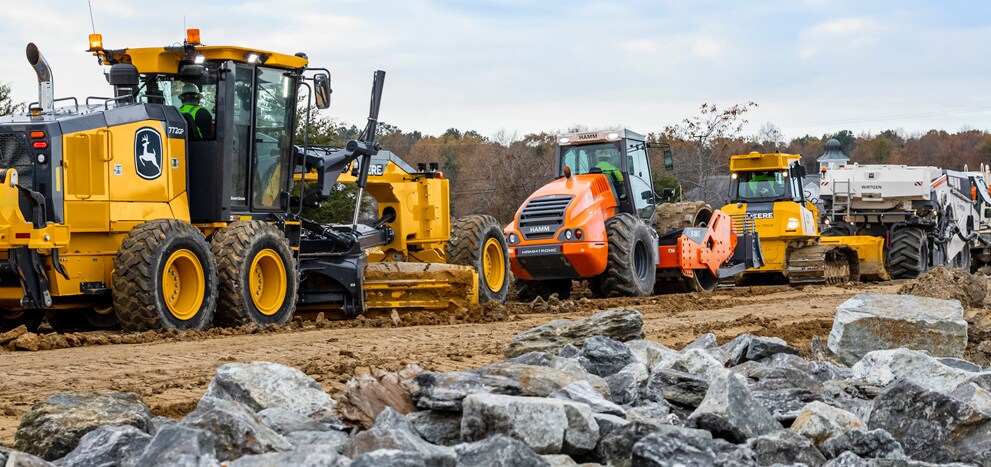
[(843, 35)]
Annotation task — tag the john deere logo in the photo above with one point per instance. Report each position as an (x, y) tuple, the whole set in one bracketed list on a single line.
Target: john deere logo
[(148, 153)]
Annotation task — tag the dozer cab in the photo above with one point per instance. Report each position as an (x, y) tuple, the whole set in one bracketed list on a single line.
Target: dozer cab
[(767, 194), (597, 220), (172, 203)]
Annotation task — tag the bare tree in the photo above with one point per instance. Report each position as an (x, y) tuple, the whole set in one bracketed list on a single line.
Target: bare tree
[(710, 132)]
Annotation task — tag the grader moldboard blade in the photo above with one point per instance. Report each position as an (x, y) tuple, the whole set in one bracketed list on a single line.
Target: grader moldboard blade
[(419, 286)]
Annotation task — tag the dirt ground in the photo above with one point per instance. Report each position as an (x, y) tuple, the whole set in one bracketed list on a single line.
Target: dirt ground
[(172, 372)]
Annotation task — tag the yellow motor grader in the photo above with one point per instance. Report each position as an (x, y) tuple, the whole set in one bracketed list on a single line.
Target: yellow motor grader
[(172, 204)]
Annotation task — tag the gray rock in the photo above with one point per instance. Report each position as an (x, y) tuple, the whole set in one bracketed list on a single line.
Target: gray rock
[(650, 353), (622, 324), (498, 451), (180, 445), (393, 431), (548, 360), (568, 351), (882, 367), (390, 458), (237, 430), (674, 446), (559, 460), (602, 356), (733, 455), (931, 426), (583, 392), (285, 421), (54, 427), (12, 458), (315, 458), (736, 349), (866, 444), (623, 388), (730, 412), (763, 347), (819, 422), (437, 427), (548, 426), (675, 386), (869, 322), (974, 396), (785, 447), (108, 446), (783, 391), (445, 391), (705, 341), (847, 459), (658, 413), (327, 440), (158, 422), (960, 364), (607, 423), (616, 449), (698, 362), (263, 385), (539, 381), (818, 370)]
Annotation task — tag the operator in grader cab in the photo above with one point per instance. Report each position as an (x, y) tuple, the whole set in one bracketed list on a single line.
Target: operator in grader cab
[(199, 118)]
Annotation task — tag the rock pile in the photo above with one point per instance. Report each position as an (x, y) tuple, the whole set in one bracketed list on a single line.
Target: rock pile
[(949, 284), (589, 391)]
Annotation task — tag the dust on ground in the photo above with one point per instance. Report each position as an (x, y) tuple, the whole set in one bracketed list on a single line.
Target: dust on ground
[(171, 370)]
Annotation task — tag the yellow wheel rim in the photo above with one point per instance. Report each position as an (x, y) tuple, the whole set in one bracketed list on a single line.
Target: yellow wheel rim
[(267, 282), (493, 265), (183, 284)]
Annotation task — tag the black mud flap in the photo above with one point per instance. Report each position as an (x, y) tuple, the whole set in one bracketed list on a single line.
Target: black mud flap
[(747, 255), (27, 263)]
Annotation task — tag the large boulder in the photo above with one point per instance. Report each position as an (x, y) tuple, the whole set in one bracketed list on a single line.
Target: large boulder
[(583, 393), (365, 396), (299, 458), (616, 448), (819, 422), (538, 381), (445, 391), (673, 446), (13, 458), (783, 391), (622, 324), (785, 447), (677, 387), (866, 444), (548, 426), (498, 451), (437, 427), (108, 445), (551, 361), (882, 367), (393, 431), (931, 426), (181, 446), (603, 356), (54, 427), (650, 353), (262, 385), (698, 362), (237, 430), (764, 347), (729, 411), (869, 322)]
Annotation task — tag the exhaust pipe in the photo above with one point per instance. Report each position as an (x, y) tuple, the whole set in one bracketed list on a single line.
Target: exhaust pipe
[(46, 85)]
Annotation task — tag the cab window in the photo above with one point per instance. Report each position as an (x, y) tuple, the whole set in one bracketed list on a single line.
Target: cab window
[(762, 185), (582, 159), (185, 95), (272, 138), (643, 193)]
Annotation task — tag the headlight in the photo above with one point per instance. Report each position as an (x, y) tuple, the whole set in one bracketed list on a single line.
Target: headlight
[(567, 235), (513, 239), (792, 225)]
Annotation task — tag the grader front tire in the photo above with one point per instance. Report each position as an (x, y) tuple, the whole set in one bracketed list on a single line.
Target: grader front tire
[(257, 275), (164, 278), (477, 241)]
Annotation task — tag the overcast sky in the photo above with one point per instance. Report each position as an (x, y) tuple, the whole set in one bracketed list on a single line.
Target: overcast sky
[(523, 66)]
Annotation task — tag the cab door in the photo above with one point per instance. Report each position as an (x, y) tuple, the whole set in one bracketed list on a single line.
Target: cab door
[(641, 186)]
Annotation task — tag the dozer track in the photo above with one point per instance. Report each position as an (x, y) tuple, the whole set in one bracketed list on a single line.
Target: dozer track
[(823, 264)]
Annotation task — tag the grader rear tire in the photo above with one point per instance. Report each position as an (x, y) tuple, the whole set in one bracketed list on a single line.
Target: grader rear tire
[(478, 241), (630, 271), (257, 275), (164, 278)]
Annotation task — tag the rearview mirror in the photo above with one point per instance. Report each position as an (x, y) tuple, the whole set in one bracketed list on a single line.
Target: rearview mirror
[(321, 90), (668, 158), (667, 194), (647, 195)]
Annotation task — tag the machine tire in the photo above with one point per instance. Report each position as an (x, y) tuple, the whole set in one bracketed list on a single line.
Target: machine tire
[(149, 252), (527, 291), (29, 318), (478, 241), (676, 216), (908, 253), (247, 247), (630, 270)]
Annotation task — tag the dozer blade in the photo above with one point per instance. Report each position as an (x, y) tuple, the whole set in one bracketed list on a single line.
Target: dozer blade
[(870, 254), (424, 286)]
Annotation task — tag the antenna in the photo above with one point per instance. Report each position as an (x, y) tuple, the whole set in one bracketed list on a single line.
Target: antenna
[(91, 21)]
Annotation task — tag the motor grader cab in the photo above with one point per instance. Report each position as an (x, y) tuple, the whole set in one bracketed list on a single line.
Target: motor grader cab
[(767, 195), (594, 222), (113, 213)]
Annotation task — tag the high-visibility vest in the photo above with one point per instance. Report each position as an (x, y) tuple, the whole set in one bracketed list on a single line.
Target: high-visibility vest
[(191, 110)]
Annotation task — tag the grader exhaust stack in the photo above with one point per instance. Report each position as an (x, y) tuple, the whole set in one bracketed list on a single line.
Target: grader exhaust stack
[(46, 85)]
